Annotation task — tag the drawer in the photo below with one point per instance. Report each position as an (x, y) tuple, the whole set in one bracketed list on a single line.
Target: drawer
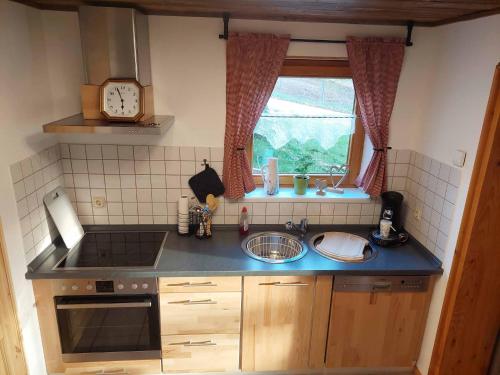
[(199, 284), (138, 367), (200, 353), (193, 313)]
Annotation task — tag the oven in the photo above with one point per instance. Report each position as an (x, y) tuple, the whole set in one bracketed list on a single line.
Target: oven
[(107, 320)]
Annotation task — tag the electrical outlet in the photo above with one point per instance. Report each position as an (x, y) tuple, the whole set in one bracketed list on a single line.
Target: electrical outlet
[(98, 202), (417, 213)]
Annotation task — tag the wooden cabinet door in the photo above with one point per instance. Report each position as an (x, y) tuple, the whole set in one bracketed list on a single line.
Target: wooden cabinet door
[(376, 329), (277, 321)]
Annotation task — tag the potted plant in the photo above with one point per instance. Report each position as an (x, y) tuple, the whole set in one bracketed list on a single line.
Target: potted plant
[(301, 180)]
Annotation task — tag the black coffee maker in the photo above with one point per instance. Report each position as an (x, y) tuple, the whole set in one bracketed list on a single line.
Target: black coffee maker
[(392, 202)]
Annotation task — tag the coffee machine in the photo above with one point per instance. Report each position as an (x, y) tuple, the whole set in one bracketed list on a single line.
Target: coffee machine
[(391, 214)]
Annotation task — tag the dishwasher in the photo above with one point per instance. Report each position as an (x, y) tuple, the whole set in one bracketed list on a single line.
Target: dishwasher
[(377, 321)]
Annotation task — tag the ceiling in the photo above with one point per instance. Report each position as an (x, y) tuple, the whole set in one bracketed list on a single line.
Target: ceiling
[(391, 12)]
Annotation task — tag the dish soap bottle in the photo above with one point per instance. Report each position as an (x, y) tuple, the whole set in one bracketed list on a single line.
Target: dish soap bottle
[(244, 221)]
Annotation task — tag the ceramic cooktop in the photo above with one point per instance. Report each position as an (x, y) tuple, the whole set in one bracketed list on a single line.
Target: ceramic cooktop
[(115, 250)]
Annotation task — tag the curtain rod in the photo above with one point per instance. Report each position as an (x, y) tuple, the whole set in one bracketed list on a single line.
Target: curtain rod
[(225, 35)]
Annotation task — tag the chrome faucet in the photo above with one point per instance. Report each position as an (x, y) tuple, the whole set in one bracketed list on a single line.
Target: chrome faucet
[(301, 228)]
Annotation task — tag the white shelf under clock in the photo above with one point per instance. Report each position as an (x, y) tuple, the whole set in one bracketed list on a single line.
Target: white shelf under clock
[(155, 125)]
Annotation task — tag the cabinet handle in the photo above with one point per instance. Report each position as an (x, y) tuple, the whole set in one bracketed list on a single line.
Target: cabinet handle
[(279, 283), (196, 302), (206, 283), (201, 343), (114, 372), (381, 286), (189, 284), (195, 343)]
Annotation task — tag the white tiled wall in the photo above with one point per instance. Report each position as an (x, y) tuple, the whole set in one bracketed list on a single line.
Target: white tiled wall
[(141, 185), (431, 188), (33, 178)]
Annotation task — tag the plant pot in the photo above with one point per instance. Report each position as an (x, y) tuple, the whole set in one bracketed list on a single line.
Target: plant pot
[(300, 184)]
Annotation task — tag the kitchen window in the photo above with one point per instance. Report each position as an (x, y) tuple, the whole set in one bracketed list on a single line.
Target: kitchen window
[(309, 121)]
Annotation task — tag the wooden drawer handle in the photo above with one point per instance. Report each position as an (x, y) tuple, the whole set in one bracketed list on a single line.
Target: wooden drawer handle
[(195, 302), (106, 372), (195, 343), (279, 283), (189, 284)]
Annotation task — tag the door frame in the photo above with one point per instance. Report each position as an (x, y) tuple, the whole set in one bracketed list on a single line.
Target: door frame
[(15, 350), (471, 258)]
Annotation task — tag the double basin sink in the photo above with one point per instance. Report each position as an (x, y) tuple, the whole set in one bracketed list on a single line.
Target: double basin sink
[(279, 247)]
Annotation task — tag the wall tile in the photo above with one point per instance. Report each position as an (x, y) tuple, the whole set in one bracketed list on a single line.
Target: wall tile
[(111, 166), (172, 153), (157, 167), (109, 152), (141, 152), (79, 166), (127, 181), (95, 166), (187, 153), (156, 153), (96, 181), (126, 152), (127, 167), (112, 181), (286, 209), (131, 219), (202, 153), (173, 167), (77, 152), (216, 154), (129, 195), (93, 151), (158, 181)]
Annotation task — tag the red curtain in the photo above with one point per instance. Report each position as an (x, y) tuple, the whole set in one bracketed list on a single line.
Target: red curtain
[(376, 65), (253, 65)]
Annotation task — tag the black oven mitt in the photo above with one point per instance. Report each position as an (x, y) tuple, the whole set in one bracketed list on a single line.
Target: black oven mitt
[(206, 182)]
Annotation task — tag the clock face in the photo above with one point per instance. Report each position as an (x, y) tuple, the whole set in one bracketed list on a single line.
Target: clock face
[(121, 100)]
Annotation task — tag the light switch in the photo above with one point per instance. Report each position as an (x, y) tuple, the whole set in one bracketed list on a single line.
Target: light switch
[(459, 158)]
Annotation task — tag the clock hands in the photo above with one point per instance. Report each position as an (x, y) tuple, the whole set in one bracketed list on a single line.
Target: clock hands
[(120, 97)]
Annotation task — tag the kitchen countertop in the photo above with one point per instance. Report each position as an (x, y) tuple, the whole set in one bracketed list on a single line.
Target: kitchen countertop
[(222, 256)]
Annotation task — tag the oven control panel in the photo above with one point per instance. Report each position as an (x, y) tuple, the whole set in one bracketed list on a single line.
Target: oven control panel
[(104, 286)]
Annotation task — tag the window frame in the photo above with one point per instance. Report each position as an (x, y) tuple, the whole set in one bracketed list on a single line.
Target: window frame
[(321, 68)]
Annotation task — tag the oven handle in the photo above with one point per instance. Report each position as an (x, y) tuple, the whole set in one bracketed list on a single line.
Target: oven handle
[(72, 306)]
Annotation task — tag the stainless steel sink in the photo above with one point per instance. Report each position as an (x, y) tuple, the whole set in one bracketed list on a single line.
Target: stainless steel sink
[(273, 247), (369, 252)]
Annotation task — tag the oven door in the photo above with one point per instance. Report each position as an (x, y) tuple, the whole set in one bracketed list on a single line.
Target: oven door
[(103, 328)]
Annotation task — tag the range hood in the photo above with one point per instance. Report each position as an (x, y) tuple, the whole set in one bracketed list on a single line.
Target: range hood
[(115, 44)]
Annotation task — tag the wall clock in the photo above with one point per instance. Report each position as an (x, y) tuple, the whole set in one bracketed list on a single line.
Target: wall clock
[(122, 100)]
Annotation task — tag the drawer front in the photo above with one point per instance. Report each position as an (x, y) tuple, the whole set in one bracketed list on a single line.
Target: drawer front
[(193, 313), (138, 367), (200, 353), (199, 284)]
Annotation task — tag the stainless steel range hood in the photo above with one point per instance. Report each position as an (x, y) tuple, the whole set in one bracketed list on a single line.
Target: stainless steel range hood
[(115, 44)]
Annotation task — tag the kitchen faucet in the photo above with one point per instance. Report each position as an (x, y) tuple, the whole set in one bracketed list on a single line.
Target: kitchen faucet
[(301, 228)]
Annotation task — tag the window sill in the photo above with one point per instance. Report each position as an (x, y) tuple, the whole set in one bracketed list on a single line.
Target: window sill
[(286, 194)]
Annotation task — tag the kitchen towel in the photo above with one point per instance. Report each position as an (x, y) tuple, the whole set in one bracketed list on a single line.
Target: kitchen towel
[(343, 246)]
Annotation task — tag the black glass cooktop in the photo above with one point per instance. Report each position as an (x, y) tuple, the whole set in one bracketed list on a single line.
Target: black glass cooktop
[(114, 249)]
